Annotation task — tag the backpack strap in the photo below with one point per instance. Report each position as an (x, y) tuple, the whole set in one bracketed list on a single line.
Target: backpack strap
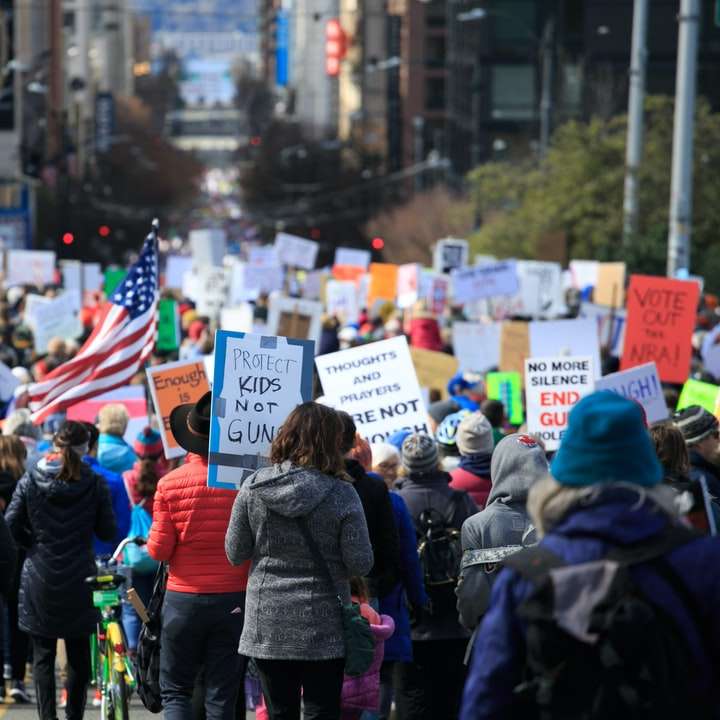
[(534, 563)]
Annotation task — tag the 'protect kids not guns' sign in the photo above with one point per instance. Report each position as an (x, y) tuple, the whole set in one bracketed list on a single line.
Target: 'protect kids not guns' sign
[(552, 387), (377, 385)]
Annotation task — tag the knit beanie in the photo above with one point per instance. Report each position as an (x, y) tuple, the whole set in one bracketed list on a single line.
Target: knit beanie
[(148, 443), (695, 423), (475, 435), (419, 454), (606, 441), (398, 438)]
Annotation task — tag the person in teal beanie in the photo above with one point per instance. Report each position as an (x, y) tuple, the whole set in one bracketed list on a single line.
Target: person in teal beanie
[(605, 495)]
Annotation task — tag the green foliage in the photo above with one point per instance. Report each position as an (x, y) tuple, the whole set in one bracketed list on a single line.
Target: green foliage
[(578, 190)]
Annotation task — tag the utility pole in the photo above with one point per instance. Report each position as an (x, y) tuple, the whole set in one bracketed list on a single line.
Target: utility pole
[(547, 53), (635, 122), (55, 83), (683, 131)]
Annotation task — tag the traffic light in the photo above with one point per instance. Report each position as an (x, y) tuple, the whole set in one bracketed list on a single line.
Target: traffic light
[(104, 231), (335, 46), (377, 243), (68, 238)]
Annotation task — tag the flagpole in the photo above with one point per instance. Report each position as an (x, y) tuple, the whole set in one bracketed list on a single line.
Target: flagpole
[(155, 225)]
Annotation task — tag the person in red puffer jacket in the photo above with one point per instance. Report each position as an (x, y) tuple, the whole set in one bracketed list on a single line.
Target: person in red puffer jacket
[(424, 330), (203, 610), (475, 441)]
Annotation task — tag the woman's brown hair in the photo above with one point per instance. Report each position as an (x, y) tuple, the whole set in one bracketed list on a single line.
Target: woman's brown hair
[(310, 437), (71, 436), (147, 478), (671, 450), (12, 455)]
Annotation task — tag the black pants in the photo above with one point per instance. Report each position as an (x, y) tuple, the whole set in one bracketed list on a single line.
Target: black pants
[(78, 675), (201, 631), (430, 687), (18, 641), (320, 682)]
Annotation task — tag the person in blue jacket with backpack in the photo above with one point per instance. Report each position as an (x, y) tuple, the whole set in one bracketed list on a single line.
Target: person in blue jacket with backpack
[(614, 613)]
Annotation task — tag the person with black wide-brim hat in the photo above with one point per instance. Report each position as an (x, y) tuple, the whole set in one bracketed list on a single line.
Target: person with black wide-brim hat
[(204, 604)]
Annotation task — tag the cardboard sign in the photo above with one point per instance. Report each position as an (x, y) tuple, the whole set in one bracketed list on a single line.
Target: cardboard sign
[(295, 318), (352, 256), (56, 317), (72, 274), (175, 267), (434, 289), (29, 267), (710, 352), (660, 322), (258, 381), (552, 387), (507, 388), (263, 256), (610, 287), (208, 246), (434, 369), (641, 384), (450, 253), (349, 273), (540, 295), (514, 347), (476, 345), (247, 283), (238, 319), (341, 300), (295, 251), (173, 384), (383, 283), (484, 281), (210, 289), (408, 285), (377, 385), (610, 324), (168, 337), (92, 278), (699, 393), (314, 284), (8, 383), (566, 337)]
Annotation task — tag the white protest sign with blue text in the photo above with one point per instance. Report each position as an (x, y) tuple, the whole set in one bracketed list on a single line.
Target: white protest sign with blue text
[(295, 251), (641, 384), (258, 381), (484, 281), (376, 384), (476, 345)]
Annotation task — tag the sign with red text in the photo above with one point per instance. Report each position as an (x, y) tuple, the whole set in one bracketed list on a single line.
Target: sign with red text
[(660, 322), (552, 387)]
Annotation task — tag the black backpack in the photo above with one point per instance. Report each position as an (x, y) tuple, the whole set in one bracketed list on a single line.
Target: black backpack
[(596, 647), (440, 553)]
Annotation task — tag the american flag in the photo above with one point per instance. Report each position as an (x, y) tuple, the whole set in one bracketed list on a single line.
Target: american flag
[(119, 345)]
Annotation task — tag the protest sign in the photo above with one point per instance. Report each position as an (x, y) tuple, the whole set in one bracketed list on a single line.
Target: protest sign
[(208, 247), (247, 282), (514, 347), (175, 267), (56, 317), (350, 273), (211, 290), (611, 325), (173, 384), (377, 385), (476, 345), (660, 322), (383, 283), (113, 276), (29, 267), (408, 285), (699, 393), (584, 274), (434, 289), (92, 278), (507, 388), (132, 397), (553, 338), (72, 273), (258, 381), (295, 251), (552, 386), (433, 369), (263, 256), (341, 300), (610, 287), (168, 337), (641, 384), (540, 294), (8, 383), (450, 253), (484, 281), (314, 284), (237, 319), (295, 318), (710, 352), (353, 257)]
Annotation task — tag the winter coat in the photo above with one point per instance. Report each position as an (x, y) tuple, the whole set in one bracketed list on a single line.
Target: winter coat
[(114, 454), (363, 692), (383, 531), (291, 610), (188, 530), (120, 505), (700, 467), (130, 479), (8, 557), (55, 521), (477, 487), (616, 517), (425, 334), (432, 491), (411, 588)]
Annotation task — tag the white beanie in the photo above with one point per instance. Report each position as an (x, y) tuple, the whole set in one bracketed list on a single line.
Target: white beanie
[(382, 452)]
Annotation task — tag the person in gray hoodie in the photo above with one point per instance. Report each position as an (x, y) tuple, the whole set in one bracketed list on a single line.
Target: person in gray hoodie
[(503, 527), (293, 624)]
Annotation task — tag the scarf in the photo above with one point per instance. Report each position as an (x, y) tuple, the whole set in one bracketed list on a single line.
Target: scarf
[(476, 464)]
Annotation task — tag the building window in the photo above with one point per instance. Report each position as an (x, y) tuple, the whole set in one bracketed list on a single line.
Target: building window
[(435, 52), (572, 89), (516, 23), (513, 92), (435, 93), (435, 15)]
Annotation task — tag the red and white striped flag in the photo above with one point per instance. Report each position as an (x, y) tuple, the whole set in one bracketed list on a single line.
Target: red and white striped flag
[(118, 347)]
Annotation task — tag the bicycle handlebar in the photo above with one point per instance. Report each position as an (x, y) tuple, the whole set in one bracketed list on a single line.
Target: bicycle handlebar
[(127, 541)]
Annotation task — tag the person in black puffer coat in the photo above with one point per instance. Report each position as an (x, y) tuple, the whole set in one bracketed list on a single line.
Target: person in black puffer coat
[(56, 509)]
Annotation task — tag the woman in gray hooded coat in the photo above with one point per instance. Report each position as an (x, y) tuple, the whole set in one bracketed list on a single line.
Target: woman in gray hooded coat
[(293, 625)]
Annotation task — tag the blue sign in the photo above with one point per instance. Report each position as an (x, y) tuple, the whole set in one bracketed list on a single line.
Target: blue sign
[(282, 48)]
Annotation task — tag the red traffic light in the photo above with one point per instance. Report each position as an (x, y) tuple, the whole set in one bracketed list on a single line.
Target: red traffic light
[(377, 243), (256, 141), (68, 238), (315, 233), (103, 231), (335, 46)]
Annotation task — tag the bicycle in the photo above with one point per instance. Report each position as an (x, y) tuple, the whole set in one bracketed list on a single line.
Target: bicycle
[(112, 668)]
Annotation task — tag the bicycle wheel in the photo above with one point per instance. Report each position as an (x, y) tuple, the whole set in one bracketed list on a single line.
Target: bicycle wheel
[(120, 696)]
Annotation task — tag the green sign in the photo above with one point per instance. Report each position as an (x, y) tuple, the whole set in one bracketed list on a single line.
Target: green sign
[(506, 387), (699, 393), (113, 277), (168, 338)]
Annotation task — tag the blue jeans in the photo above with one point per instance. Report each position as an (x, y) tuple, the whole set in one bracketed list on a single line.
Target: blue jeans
[(201, 631), (132, 624)]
